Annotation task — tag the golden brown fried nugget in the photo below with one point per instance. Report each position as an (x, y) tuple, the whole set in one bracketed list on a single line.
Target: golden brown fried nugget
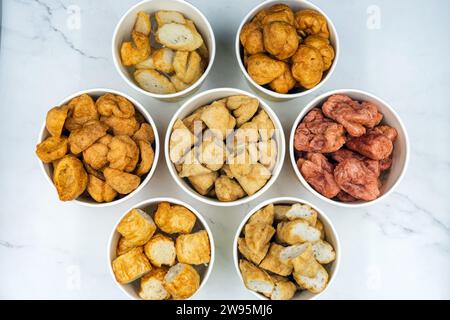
[(174, 219), (181, 281), (70, 178), (131, 266), (308, 66), (82, 138), (110, 104), (99, 190), (311, 22), (52, 149), (263, 69), (285, 82), (96, 155), (123, 153), (122, 126), (145, 133), (122, 182), (82, 109), (280, 39), (137, 227), (56, 118), (278, 12), (326, 50), (193, 248), (147, 158), (136, 51), (251, 38)]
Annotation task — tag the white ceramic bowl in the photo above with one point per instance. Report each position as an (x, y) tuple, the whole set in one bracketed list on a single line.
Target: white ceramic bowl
[(331, 237), (295, 5), (125, 26), (149, 206), (205, 98), (400, 155), (95, 93)]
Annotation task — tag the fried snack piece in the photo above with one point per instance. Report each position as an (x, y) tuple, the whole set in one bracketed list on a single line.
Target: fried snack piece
[(389, 132), (52, 148), (255, 257), (178, 84), (160, 250), (251, 38), (70, 178), (135, 51), (96, 155), (124, 246), (296, 231), (343, 154), (143, 24), (273, 263), (302, 211), (264, 215), (268, 153), (258, 235), (122, 182), (82, 109), (174, 219), (326, 50), (152, 285), (284, 289), (266, 128), (355, 117), (263, 69), (145, 133), (243, 107), (163, 60), (311, 22), (212, 153), (356, 179), (99, 190), (375, 146), (123, 153), (137, 227), (181, 141), (323, 252), (318, 134), (181, 281), (110, 104), (285, 82), (152, 81), (314, 284), (307, 66), (121, 126), (195, 120), (256, 279), (188, 66), (193, 248), (318, 172), (277, 12), (246, 135), (147, 158), (218, 118), (82, 138), (255, 180), (162, 17), (191, 166), (146, 64), (345, 197), (203, 183), (319, 226), (55, 120), (228, 190), (179, 36), (130, 266), (280, 212), (280, 39), (385, 164)]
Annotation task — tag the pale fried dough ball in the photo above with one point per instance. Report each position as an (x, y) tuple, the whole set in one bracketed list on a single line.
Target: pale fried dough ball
[(310, 22), (263, 69), (280, 39), (326, 50), (285, 82), (308, 66), (251, 38)]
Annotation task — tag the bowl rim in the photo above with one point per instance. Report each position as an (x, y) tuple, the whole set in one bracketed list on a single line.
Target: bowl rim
[(180, 94), (322, 216), (280, 144), (172, 201), (313, 104), (148, 118), (287, 96)]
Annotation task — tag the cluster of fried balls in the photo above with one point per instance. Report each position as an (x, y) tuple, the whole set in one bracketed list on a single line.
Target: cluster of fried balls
[(103, 147), (285, 50), (343, 150)]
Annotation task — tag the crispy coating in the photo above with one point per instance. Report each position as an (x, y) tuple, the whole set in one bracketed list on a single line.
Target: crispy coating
[(251, 38), (110, 104), (255, 180), (212, 154), (280, 39), (82, 138), (326, 50), (258, 235), (273, 263), (243, 107), (318, 134), (376, 146), (191, 166), (263, 69), (193, 248), (181, 141), (343, 154), (145, 133), (265, 215), (123, 153), (123, 246), (82, 110), (181, 281), (52, 148), (203, 183), (318, 172), (188, 66), (307, 66), (255, 257), (137, 227), (285, 82), (96, 155), (355, 117), (174, 218), (131, 266), (122, 126), (356, 179), (284, 289), (311, 22), (255, 278), (135, 51), (218, 118), (147, 158), (389, 132), (122, 182), (151, 287), (160, 250), (278, 12), (163, 60), (99, 190), (228, 189), (56, 119), (70, 178)]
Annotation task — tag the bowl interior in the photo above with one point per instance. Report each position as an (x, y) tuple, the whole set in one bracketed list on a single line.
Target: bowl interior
[(330, 236), (206, 98), (150, 207), (123, 33), (399, 156), (295, 5), (84, 199)]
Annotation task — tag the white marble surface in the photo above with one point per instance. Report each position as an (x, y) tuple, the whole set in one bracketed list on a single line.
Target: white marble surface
[(397, 249)]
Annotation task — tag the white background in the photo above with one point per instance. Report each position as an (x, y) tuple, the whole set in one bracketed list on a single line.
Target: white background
[(399, 248)]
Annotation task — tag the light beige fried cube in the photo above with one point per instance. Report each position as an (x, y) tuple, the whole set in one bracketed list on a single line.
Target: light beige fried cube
[(131, 266), (273, 263), (174, 218), (137, 227), (152, 285), (193, 248), (181, 281)]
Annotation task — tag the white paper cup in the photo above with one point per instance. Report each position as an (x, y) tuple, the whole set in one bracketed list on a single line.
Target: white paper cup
[(295, 5), (149, 206), (331, 237), (400, 155), (95, 93), (125, 26), (206, 98)]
